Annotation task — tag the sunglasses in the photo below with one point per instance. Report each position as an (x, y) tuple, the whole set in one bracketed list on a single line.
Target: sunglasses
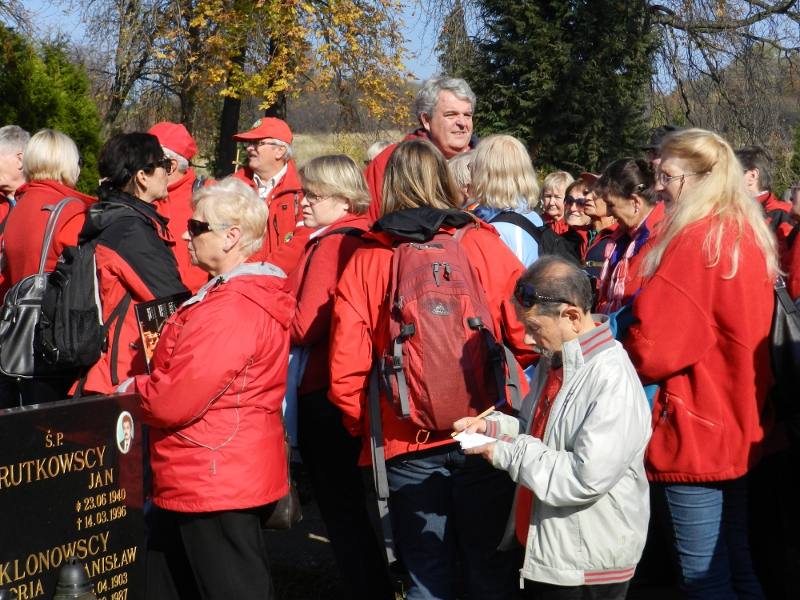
[(580, 202), (165, 163), (196, 227), (525, 295)]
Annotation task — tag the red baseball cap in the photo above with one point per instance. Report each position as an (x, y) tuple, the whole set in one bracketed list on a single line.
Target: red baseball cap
[(175, 137), (268, 127)]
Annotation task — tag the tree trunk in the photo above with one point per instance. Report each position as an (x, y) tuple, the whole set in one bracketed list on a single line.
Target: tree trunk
[(277, 108), (228, 127)]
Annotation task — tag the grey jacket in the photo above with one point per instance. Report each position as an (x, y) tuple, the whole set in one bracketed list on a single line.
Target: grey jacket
[(591, 504)]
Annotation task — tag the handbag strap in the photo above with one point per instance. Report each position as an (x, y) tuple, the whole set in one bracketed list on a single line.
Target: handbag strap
[(379, 462), (50, 228)]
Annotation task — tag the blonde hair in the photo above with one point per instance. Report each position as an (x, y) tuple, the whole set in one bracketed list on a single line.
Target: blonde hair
[(503, 175), (233, 202), (417, 176), (719, 192), (556, 180), (459, 167), (51, 155), (337, 175)]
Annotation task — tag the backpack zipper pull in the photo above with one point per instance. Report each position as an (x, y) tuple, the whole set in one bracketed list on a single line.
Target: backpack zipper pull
[(446, 271), (436, 274)]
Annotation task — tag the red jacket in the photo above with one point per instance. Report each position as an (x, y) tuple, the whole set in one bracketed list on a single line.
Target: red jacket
[(560, 227), (360, 305), (25, 227), (286, 235), (215, 393), (314, 285), (704, 339), (177, 209), (774, 210), (5, 282), (791, 264), (375, 170), (133, 255)]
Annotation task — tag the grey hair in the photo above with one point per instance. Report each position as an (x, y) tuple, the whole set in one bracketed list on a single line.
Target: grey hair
[(286, 157), (13, 139), (428, 95), (555, 276), (183, 164), (459, 167)]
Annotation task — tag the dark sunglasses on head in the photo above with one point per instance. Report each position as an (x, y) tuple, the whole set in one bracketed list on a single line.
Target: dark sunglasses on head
[(196, 227), (526, 296), (577, 201)]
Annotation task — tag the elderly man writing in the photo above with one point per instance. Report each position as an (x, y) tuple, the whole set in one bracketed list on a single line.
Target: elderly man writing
[(577, 448)]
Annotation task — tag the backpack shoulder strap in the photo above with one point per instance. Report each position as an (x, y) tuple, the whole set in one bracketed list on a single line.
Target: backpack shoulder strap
[(509, 216), (351, 231), (50, 228), (199, 182)]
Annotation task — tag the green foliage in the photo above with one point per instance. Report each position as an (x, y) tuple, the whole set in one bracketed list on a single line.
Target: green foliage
[(41, 88), (567, 77), (794, 163)]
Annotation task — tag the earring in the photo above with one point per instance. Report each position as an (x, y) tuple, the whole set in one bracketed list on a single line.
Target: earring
[(225, 247)]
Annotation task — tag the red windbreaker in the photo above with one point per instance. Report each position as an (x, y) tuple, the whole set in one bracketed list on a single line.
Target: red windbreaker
[(177, 209), (704, 338), (314, 285), (286, 235), (360, 306), (215, 393), (25, 227)]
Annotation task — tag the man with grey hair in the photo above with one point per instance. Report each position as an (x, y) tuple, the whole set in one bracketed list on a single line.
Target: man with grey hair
[(179, 147), (13, 140), (271, 173), (444, 108)]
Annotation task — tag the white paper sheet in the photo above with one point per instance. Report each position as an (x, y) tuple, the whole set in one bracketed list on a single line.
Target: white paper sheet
[(471, 440)]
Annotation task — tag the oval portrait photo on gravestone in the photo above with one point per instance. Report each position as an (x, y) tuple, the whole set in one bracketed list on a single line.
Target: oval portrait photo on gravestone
[(125, 432)]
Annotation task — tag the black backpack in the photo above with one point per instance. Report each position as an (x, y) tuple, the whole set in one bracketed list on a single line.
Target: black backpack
[(20, 346), (71, 326), (548, 240)]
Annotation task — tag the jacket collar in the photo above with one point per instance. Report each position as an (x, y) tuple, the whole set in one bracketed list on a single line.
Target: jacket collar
[(579, 352), (255, 268), (420, 224)]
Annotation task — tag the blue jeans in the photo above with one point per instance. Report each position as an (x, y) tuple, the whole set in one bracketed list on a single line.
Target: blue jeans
[(446, 506), (706, 524)]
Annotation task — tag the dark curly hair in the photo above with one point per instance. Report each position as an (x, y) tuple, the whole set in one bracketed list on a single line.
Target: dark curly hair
[(628, 176)]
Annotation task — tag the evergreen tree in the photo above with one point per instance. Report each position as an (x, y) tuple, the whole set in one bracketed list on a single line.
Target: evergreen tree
[(454, 49), (41, 88), (567, 77)]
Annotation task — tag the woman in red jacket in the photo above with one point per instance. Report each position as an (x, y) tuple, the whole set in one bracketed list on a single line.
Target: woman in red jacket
[(213, 402), (627, 187), (704, 315), (442, 502), (52, 165), (335, 202)]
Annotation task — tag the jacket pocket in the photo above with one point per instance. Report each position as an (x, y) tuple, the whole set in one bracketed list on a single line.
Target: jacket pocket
[(685, 441)]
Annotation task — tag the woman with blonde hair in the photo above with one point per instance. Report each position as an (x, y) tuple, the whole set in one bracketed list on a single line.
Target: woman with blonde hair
[(704, 315), (506, 189), (51, 164), (335, 202), (554, 192), (213, 403), (443, 504)]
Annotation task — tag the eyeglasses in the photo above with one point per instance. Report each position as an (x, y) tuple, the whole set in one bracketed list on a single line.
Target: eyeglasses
[(526, 296), (664, 179), (165, 163), (256, 144), (314, 198), (579, 202), (196, 227)]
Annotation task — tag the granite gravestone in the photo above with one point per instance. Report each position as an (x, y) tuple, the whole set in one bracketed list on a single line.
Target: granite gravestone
[(71, 485)]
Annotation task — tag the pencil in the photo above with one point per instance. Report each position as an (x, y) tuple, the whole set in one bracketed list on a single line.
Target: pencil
[(475, 420)]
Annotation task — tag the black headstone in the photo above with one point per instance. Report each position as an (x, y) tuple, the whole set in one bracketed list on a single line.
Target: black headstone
[(71, 484)]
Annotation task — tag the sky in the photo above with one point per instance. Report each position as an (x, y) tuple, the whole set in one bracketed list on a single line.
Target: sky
[(422, 65)]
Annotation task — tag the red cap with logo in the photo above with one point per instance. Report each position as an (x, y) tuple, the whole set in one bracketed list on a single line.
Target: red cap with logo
[(175, 137), (268, 127)]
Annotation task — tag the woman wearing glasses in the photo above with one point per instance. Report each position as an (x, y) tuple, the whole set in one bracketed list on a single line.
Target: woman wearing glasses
[(213, 402), (132, 249), (575, 204), (335, 202), (704, 314), (627, 186)]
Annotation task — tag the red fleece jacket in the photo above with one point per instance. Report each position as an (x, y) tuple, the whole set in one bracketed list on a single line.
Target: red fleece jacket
[(704, 338)]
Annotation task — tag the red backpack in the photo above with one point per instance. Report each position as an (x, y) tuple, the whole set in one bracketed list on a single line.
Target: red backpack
[(443, 361)]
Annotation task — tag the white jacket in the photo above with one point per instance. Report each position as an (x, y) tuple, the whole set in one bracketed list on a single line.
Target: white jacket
[(591, 505)]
